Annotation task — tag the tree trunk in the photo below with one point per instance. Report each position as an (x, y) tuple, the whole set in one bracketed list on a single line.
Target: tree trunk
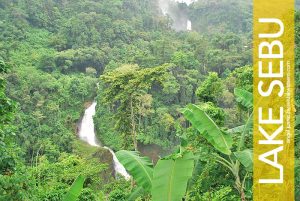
[(240, 188), (243, 198), (133, 130)]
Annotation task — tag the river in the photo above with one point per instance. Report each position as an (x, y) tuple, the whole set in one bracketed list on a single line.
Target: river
[(87, 134)]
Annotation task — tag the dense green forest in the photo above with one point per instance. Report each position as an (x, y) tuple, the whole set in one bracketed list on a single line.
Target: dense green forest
[(151, 84)]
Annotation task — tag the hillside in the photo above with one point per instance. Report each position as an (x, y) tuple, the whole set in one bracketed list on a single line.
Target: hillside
[(58, 56)]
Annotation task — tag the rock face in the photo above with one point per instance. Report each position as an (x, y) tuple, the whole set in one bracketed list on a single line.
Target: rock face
[(153, 151), (105, 157)]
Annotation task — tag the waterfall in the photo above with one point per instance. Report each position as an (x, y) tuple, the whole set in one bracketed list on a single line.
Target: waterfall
[(87, 129), (189, 25), (179, 17), (87, 134)]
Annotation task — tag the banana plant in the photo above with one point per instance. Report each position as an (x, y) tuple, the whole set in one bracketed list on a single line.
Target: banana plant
[(222, 141), (245, 98), (75, 190), (141, 168), (166, 181)]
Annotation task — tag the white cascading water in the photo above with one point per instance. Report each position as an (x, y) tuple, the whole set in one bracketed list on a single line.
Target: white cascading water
[(87, 134), (189, 25), (164, 5)]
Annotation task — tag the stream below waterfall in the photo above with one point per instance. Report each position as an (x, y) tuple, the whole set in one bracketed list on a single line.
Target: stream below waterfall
[(87, 134)]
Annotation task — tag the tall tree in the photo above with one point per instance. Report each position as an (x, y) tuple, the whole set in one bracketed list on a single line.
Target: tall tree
[(123, 90)]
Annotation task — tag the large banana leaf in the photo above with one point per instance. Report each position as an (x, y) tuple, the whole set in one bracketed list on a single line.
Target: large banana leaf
[(244, 97), (243, 128), (140, 168), (238, 129), (139, 191), (208, 129), (75, 189), (246, 158), (171, 176)]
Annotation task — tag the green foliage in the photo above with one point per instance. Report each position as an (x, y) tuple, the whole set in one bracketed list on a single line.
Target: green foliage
[(80, 59), (51, 103), (167, 181), (54, 179), (3, 67), (171, 176), (7, 105), (244, 77), (75, 189), (210, 89), (208, 129), (55, 194), (16, 186), (140, 168), (223, 194), (246, 158), (138, 192), (8, 152), (297, 121), (216, 113), (244, 97), (185, 60), (125, 89), (88, 194), (7, 160), (117, 189), (117, 195), (204, 124), (47, 63), (57, 49), (224, 15)]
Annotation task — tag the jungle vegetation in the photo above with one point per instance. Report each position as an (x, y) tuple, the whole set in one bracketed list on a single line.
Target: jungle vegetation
[(188, 92)]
